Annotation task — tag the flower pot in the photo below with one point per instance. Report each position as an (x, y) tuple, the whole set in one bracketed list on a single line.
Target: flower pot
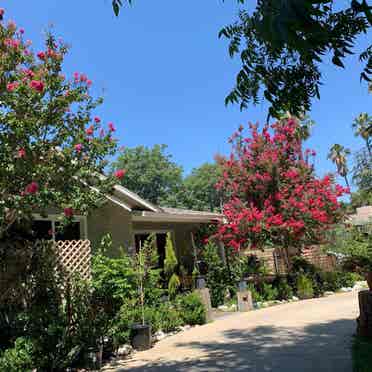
[(369, 279), (200, 282), (141, 336)]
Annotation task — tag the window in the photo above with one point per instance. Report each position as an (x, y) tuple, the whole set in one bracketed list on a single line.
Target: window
[(49, 228)]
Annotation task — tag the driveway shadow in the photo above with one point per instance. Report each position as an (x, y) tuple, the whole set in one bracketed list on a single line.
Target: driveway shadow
[(321, 347)]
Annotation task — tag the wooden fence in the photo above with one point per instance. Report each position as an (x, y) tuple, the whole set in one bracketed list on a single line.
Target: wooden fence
[(75, 256), (278, 261)]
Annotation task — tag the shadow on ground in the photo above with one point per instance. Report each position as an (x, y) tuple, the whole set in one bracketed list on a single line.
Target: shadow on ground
[(316, 348)]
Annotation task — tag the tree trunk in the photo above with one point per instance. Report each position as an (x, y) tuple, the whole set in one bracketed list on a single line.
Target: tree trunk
[(346, 181), (364, 322)]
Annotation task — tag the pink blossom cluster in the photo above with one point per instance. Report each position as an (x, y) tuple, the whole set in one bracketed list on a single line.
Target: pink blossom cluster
[(274, 193)]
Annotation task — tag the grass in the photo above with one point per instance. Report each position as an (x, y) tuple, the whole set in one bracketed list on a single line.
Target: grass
[(362, 355)]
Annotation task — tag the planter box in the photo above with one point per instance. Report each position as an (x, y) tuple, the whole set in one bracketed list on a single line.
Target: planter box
[(141, 336)]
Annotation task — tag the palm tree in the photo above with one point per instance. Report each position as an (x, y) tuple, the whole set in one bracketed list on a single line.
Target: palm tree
[(338, 155), (362, 126)]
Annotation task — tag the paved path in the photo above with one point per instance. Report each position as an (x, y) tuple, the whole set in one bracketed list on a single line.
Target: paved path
[(312, 335)]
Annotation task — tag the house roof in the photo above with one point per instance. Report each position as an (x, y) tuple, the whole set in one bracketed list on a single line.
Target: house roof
[(143, 210), (176, 215), (362, 216)]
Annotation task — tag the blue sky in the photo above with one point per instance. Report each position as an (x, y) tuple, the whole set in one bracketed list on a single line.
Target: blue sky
[(164, 74)]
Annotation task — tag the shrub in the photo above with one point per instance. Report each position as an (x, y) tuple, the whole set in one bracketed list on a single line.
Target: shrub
[(347, 279), (357, 264), (170, 318), (301, 266), (269, 293), (331, 281), (304, 287), (191, 309), (18, 358), (285, 291), (256, 296), (113, 279), (218, 278)]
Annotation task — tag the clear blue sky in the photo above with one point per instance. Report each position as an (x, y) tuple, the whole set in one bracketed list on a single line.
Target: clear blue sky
[(165, 73)]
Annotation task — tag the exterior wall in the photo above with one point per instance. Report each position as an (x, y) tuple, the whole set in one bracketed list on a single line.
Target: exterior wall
[(111, 218), (181, 238)]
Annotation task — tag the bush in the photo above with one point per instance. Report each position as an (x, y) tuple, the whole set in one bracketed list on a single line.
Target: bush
[(357, 264), (18, 358), (217, 278), (269, 293), (285, 291), (191, 309), (304, 287), (362, 356), (256, 296), (349, 279), (170, 318)]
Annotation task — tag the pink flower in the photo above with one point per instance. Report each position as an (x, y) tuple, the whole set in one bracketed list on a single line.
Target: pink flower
[(29, 73), (97, 120), (89, 131), (41, 55), (102, 132), (37, 85), (2, 12), (76, 76), (12, 25), (83, 77), (32, 188), (119, 174), (78, 147), (11, 86), (68, 212), (111, 127), (21, 153), (89, 83), (21, 31)]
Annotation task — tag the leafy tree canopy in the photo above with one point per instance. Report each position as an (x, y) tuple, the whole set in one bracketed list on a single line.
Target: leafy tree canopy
[(150, 172), (281, 45), (199, 191)]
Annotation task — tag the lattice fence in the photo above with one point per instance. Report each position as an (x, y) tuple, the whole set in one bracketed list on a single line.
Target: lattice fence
[(75, 256)]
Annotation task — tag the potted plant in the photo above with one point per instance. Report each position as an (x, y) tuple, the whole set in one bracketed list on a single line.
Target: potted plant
[(144, 260)]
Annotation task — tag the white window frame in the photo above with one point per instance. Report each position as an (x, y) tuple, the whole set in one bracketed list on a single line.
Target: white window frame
[(53, 218)]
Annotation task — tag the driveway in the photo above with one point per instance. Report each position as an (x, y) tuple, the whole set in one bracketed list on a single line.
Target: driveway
[(311, 335)]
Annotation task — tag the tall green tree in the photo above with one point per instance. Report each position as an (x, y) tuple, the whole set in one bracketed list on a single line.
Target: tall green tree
[(199, 191), (150, 172), (338, 155)]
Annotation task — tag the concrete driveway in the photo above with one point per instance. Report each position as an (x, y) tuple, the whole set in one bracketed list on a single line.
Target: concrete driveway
[(311, 335)]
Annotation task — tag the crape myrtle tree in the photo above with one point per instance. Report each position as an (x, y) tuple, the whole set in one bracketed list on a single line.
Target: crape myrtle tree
[(51, 146), (273, 195)]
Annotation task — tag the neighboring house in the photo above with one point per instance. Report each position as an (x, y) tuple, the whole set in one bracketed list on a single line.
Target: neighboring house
[(363, 219), (129, 219)]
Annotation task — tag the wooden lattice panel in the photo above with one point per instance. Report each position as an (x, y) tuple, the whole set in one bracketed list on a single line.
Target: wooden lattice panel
[(75, 257)]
